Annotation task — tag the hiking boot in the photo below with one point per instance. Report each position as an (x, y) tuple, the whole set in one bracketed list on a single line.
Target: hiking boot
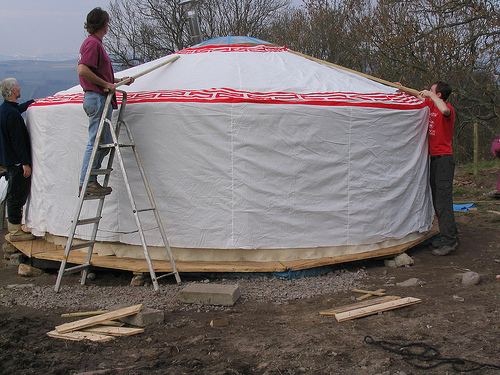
[(445, 249), (437, 244), (16, 233), (96, 189)]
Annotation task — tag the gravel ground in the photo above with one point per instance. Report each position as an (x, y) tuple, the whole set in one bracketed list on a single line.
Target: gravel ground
[(261, 289)]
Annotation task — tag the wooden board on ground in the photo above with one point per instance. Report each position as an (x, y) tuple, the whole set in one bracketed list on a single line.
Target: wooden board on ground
[(79, 336), (94, 320), (374, 309), (358, 305), (114, 331), (83, 313)]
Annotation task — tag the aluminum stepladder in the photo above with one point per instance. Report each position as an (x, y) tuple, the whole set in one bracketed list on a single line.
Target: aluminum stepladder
[(115, 150)]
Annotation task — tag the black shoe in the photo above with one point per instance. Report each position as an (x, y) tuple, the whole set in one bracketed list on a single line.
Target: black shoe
[(96, 189)]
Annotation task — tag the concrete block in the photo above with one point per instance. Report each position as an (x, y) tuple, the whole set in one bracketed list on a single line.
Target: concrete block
[(146, 317), (210, 294)]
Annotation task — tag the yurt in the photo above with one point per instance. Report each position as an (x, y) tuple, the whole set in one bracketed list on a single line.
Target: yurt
[(254, 154)]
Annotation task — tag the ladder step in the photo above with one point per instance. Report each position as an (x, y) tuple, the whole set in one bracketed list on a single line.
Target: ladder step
[(91, 197), (77, 268), (112, 145), (165, 275), (90, 220), (82, 245), (98, 172), (145, 209)]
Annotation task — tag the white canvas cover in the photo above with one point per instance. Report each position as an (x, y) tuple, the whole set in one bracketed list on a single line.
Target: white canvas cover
[(247, 146)]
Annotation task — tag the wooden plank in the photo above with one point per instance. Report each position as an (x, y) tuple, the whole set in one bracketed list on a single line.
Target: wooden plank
[(94, 320), (358, 305), (378, 292), (368, 293), (370, 310), (114, 331), (112, 323), (79, 336), (83, 313), (42, 249)]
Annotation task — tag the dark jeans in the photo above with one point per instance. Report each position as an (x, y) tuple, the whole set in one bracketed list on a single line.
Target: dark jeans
[(17, 193), (441, 179)]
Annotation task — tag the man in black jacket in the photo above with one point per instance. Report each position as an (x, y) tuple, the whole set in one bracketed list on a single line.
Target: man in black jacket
[(15, 155)]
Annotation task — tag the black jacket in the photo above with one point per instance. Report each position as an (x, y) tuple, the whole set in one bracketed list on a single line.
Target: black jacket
[(15, 146)]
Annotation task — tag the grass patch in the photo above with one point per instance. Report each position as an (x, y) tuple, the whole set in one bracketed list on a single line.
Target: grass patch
[(485, 164), (459, 191)]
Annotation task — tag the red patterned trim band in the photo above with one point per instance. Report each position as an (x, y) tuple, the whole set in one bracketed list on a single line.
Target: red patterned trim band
[(378, 100)]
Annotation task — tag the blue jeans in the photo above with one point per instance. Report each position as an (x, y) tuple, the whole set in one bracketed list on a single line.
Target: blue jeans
[(93, 104)]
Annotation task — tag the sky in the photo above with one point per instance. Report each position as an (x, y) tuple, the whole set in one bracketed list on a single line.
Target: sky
[(40, 27)]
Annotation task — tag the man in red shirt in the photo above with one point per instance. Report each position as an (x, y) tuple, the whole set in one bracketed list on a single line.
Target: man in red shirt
[(97, 80), (442, 169)]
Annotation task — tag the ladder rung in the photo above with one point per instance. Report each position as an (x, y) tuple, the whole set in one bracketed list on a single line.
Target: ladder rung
[(112, 145), (77, 268), (165, 275), (91, 196), (89, 220), (82, 245), (97, 172), (145, 209)]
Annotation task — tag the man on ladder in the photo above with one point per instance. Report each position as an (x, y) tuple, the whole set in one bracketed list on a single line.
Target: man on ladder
[(97, 79)]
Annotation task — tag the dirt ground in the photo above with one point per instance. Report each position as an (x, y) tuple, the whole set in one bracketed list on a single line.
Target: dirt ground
[(461, 322)]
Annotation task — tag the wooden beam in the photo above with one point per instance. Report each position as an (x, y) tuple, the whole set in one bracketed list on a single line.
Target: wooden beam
[(79, 336), (88, 322), (84, 313), (379, 80), (375, 309), (114, 331), (358, 305)]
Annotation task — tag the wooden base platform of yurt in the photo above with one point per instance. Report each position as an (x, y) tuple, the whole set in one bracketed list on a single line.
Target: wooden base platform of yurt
[(42, 249)]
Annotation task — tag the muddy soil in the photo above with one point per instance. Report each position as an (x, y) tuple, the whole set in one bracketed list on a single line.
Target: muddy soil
[(265, 337)]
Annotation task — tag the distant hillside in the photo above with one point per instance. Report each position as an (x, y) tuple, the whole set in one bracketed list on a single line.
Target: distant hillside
[(39, 79)]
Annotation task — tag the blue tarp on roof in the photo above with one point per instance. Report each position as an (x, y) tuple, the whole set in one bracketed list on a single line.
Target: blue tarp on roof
[(228, 40)]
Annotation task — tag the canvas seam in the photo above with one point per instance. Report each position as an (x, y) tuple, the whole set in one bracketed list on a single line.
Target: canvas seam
[(348, 223)]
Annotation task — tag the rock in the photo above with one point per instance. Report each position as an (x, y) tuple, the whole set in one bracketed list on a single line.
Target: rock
[(411, 282), (8, 248), (403, 260), (25, 270), (19, 286), (470, 278), (390, 263), (138, 280), (16, 259)]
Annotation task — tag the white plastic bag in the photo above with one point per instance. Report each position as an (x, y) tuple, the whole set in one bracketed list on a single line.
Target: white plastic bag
[(3, 188)]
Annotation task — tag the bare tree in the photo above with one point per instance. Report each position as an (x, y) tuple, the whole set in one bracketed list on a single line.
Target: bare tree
[(144, 30), (238, 17)]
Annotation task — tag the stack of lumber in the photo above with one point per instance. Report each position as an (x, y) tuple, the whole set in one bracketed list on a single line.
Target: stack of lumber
[(369, 307), (100, 328)]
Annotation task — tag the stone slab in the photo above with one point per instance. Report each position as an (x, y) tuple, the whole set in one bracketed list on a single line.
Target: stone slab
[(210, 294)]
